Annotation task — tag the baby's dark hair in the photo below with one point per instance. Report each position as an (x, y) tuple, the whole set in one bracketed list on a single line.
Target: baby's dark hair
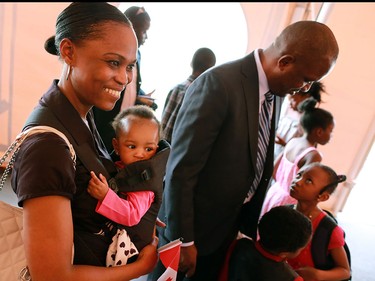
[(313, 117), (141, 111), (82, 20), (283, 229)]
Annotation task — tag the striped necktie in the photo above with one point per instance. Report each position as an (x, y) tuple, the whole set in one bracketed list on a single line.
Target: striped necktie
[(263, 140)]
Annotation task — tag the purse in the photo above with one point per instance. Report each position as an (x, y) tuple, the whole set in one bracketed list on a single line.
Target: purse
[(13, 264)]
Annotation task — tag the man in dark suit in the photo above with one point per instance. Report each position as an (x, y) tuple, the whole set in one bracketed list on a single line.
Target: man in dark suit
[(208, 197)]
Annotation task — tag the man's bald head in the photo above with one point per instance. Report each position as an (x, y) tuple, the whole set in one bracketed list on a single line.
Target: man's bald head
[(308, 38), (304, 52)]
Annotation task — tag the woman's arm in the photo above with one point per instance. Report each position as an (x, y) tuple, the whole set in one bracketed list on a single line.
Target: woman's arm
[(48, 236)]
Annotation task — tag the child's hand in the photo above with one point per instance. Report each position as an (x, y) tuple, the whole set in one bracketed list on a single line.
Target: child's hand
[(280, 140), (307, 273), (98, 188)]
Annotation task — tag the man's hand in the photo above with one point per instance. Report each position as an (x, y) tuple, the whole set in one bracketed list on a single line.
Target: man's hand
[(188, 260), (160, 223)]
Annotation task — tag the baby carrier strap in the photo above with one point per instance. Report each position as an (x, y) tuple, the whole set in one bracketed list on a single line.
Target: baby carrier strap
[(42, 115), (140, 176)]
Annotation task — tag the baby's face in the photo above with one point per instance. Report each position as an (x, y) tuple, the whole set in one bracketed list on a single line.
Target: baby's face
[(138, 140)]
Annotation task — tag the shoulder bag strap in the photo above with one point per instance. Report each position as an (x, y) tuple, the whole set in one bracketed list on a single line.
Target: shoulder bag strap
[(14, 148), (42, 115)]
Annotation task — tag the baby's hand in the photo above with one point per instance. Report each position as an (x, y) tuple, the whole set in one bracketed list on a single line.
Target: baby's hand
[(98, 188)]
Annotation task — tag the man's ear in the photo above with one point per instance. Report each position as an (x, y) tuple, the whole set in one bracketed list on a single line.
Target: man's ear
[(285, 60), (67, 50)]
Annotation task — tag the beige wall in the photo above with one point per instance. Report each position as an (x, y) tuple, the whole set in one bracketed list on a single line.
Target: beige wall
[(351, 99), (26, 71)]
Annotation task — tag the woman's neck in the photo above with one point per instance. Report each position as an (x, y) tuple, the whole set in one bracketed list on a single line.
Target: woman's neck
[(67, 90)]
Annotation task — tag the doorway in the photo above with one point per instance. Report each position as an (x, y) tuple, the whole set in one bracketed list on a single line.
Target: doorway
[(177, 30), (363, 193)]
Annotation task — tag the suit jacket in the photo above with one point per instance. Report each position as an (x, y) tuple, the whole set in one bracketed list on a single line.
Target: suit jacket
[(213, 158)]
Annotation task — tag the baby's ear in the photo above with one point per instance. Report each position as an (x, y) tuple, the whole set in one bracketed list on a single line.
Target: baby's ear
[(115, 145), (323, 196)]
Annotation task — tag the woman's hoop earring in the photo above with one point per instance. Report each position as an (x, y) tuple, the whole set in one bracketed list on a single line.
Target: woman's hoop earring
[(68, 72)]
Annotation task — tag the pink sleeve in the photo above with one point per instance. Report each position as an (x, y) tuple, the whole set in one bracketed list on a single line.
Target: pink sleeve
[(125, 211), (337, 238)]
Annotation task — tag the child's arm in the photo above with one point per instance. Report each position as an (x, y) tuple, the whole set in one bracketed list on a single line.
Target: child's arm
[(123, 211), (280, 140), (341, 271), (276, 164)]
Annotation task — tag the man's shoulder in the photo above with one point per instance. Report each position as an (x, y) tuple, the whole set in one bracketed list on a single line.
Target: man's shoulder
[(231, 68)]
